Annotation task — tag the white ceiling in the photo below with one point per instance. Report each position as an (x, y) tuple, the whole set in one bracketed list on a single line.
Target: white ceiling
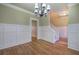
[(30, 6)]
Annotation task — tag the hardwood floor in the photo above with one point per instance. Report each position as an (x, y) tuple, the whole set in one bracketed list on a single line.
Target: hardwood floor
[(39, 47), (62, 42)]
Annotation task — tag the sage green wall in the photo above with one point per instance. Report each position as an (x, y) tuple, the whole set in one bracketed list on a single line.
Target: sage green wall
[(74, 14), (73, 28), (43, 21), (12, 16)]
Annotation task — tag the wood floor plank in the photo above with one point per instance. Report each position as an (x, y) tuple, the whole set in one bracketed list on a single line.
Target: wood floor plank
[(39, 47)]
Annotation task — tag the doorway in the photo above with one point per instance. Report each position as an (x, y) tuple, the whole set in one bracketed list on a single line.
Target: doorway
[(34, 30), (60, 23)]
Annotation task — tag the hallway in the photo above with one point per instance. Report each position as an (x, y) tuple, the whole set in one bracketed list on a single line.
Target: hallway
[(39, 47)]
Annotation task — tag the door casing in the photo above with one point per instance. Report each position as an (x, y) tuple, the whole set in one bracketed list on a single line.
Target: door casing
[(31, 19)]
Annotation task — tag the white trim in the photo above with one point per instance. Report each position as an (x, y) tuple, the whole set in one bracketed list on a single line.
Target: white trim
[(37, 26), (17, 8)]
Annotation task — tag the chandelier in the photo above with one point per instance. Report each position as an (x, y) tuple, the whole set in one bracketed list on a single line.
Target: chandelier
[(41, 9)]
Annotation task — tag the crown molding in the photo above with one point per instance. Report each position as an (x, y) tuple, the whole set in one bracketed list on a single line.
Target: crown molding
[(17, 8)]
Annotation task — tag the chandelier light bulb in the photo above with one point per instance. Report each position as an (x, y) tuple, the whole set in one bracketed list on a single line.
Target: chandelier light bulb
[(36, 6), (39, 11), (36, 11), (45, 11), (43, 5), (48, 7)]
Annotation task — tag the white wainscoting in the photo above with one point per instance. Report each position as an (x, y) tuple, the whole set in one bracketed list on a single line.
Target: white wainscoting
[(13, 34), (47, 33), (73, 36)]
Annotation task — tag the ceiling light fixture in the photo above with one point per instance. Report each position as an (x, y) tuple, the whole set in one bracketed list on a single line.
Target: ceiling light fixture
[(41, 9)]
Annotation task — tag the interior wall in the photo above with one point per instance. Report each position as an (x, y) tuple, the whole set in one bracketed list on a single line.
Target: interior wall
[(73, 27), (44, 21), (12, 16), (60, 22), (14, 27)]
